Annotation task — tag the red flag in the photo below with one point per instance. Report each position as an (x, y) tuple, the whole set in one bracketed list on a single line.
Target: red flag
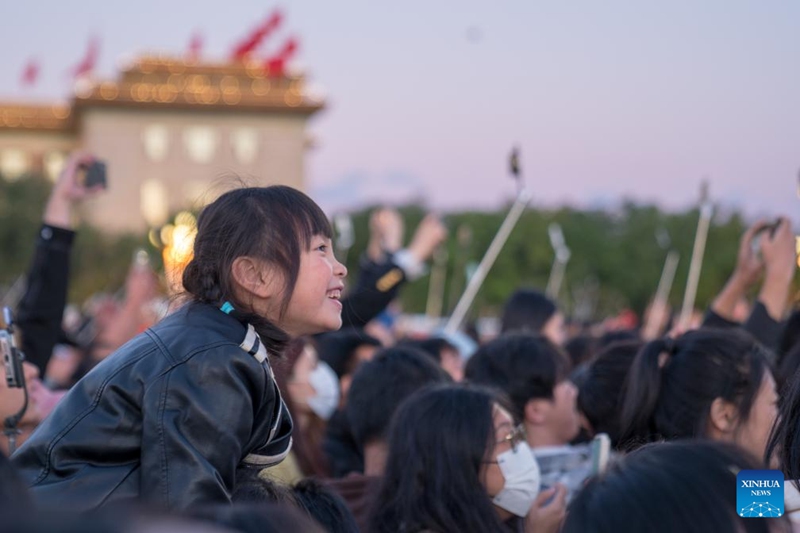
[(30, 74), (86, 66), (249, 44), (195, 47), (276, 65)]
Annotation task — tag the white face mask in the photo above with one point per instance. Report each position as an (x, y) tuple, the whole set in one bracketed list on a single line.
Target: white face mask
[(522, 480), (326, 387)]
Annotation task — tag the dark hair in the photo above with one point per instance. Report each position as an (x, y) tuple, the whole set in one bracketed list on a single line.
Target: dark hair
[(338, 348), (272, 223), (787, 368), (673, 383), (785, 436), (432, 346), (258, 518), (527, 310), (523, 366), (601, 391), (252, 488), (665, 487), (380, 386), (325, 506), (438, 441)]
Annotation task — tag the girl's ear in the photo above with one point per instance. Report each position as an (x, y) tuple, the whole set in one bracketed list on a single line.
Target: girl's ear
[(722, 417), (252, 276)]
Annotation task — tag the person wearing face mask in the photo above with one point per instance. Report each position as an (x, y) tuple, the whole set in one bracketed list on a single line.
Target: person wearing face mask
[(311, 390), (458, 462)]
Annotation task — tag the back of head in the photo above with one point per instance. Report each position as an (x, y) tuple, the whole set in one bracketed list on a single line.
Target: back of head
[(438, 441), (527, 310), (274, 224), (260, 518), (338, 348), (665, 487), (432, 346), (523, 366), (600, 392), (325, 507), (380, 386), (673, 383)]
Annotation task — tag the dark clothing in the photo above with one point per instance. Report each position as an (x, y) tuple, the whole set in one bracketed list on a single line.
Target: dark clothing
[(166, 418), (358, 492), (41, 308), (378, 284), (759, 324)]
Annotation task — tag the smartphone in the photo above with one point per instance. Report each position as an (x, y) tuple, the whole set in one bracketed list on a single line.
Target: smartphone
[(769, 229), (96, 175), (12, 357), (601, 448)]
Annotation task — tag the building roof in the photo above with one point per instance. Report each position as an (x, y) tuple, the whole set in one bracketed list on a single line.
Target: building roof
[(171, 83), (35, 117), (175, 83)]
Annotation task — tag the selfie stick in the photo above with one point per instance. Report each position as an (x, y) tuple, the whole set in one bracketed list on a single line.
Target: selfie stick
[(559, 263), (475, 282), (706, 210), (433, 308), (662, 294)]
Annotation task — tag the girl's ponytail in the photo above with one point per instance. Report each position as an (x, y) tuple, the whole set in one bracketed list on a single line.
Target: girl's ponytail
[(642, 392)]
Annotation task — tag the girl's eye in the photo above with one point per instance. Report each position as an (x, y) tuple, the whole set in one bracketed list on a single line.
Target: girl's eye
[(323, 248)]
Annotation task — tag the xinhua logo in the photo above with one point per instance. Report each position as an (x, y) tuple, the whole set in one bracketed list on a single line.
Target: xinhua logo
[(759, 493)]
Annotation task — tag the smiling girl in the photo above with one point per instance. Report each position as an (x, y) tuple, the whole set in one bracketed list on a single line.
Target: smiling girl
[(171, 415)]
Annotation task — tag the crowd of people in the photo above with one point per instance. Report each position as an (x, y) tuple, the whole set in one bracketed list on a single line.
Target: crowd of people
[(275, 393)]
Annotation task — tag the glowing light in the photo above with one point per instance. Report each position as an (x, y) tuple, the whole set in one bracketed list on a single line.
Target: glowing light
[(260, 87), (109, 91), (185, 218), (229, 83), (14, 163), (292, 99), (177, 255), (152, 236), (166, 234), (154, 206), (53, 164), (231, 98)]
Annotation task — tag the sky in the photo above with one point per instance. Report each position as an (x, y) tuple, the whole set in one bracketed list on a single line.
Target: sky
[(425, 99)]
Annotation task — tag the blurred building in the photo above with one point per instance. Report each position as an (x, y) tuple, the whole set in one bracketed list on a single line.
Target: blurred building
[(172, 134)]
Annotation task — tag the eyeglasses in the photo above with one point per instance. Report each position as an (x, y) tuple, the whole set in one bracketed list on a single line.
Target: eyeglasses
[(516, 436)]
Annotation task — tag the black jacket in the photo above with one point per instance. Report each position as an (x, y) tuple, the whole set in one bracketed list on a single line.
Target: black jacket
[(166, 418)]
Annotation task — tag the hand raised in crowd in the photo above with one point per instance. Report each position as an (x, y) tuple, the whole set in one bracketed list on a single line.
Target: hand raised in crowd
[(69, 191), (429, 235), (386, 230), (548, 511), (749, 265), (779, 254)]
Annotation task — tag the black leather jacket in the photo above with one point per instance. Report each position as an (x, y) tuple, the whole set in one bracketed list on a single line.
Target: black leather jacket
[(167, 418)]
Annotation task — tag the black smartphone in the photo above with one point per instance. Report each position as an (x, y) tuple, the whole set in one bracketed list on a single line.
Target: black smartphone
[(96, 175), (769, 229), (12, 357)]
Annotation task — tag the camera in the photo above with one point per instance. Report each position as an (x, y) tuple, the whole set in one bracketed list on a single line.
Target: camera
[(95, 175), (12, 356)]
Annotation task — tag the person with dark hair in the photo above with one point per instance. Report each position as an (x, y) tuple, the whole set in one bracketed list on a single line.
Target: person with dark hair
[(324, 506), (534, 374), (442, 351), (457, 462), (667, 487), (530, 311), (258, 518), (170, 415), (601, 391), (378, 388), (310, 389), (344, 350), (711, 384)]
